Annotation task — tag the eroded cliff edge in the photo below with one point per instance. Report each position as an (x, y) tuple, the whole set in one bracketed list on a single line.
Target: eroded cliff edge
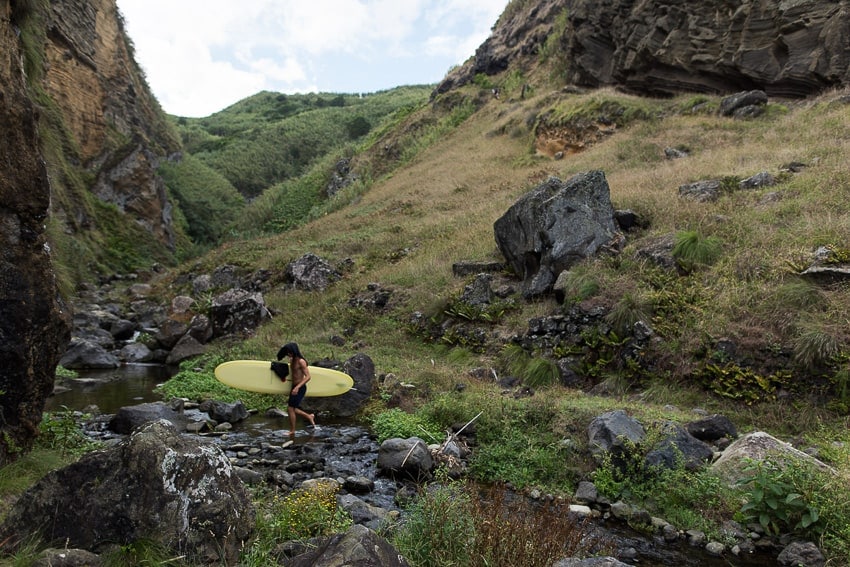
[(112, 134), (791, 48)]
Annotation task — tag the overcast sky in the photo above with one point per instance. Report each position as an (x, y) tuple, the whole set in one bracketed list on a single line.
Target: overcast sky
[(201, 56)]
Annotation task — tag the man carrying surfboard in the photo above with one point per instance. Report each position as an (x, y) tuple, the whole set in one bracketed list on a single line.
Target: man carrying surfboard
[(300, 375)]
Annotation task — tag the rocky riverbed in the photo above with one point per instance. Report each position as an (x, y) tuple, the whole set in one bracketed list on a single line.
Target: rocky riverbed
[(262, 452)]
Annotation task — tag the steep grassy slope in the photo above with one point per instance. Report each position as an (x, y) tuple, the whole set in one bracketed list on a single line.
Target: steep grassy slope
[(409, 227), (261, 164)]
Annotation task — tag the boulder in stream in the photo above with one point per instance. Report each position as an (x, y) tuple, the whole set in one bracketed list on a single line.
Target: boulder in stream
[(156, 485), (129, 418), (408, 458)]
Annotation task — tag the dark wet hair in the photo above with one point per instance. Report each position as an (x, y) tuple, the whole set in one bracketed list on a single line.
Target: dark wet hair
[(287, 349)]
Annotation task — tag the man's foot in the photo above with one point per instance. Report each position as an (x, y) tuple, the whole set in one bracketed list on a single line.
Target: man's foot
[(312, 418), (292, 433)]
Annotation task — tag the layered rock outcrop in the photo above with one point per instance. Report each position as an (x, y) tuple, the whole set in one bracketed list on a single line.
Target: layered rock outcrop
[(791, 48), (34, 326), (117, 130)]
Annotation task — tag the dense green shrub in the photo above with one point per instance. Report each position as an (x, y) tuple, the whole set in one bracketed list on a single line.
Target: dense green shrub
[(398, 423), (774, 502)]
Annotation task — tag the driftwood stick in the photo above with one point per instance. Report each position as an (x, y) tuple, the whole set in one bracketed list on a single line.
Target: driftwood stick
[(425, 431), (453, 435), (409, 452)]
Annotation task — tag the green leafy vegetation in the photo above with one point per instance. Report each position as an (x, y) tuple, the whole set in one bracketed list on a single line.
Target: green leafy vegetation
[(62, 372), (626, 312), (735, 382), (551, 48), (59, 443), (297, 516), (688, 499), (140, 553), (772, 500), (590, 109), (398, 423), (693, 250), (270, 138), (196, 381), (208, 202), (59, 431)]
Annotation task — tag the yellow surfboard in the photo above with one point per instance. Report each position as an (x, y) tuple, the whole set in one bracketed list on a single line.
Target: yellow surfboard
[(257, 376)]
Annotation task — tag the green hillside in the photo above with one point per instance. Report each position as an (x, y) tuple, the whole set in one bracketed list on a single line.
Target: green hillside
[(276, 147), (458, 166)]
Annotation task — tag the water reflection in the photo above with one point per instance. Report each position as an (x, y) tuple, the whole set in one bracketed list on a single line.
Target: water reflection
[(111, 389)]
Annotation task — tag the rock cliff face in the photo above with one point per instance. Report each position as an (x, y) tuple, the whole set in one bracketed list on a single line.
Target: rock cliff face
[(34, 327), (116, 128), (788, 48)]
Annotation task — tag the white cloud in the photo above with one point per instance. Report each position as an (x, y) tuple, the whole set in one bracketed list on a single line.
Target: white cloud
[(201, 56), (290, 71)]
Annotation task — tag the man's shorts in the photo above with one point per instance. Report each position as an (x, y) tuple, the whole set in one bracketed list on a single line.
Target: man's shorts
[(295, 401)]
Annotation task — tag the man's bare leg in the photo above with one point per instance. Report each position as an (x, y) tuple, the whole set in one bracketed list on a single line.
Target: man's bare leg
[(308, 416), (291, 410)]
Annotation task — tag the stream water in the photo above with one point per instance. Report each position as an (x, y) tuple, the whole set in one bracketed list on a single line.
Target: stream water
[(110, 390)]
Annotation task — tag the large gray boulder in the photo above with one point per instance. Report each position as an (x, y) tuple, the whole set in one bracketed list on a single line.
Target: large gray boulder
[(554, 226), (733, 465), (82, 353), (157, 486), (310, 273), (135, 352), (358, 547), (187, 347), (712, 428), (362, 369), (128, 418), (679, 448), (237, 312), (405, 459), (801, 554), (224, 411), (614, 432)]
